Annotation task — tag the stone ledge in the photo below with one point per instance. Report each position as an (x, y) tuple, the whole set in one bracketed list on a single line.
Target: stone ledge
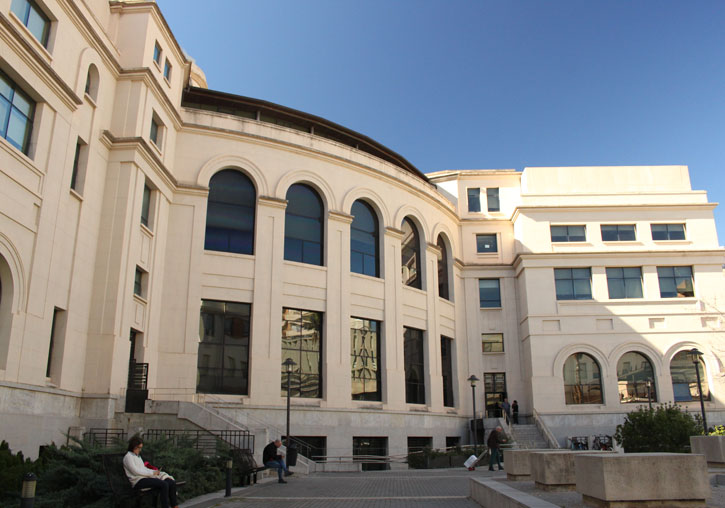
[(494, 494)]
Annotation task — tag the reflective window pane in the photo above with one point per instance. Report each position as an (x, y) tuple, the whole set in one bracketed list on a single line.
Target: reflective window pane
[(410, 254), (230, 213), (624, 282), (684, 378), (668, 231), (635, 379), (618, 233), (582, 380), (675, 281), (489, 293), (303, 231), (302, 342), (364, 239), (474, 200), (443, 290), (447, 370), (492, 200), (16, 114), (486, 243), (568, 234), (573, 283), (364, 359), (492, 342), (414, 366)]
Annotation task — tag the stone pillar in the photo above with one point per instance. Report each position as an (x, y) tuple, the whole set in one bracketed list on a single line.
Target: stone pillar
[(265, 351), (434, 378), (336, 349), (393, 360)]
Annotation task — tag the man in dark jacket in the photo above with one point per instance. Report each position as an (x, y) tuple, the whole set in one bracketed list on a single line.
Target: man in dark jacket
[(495, 439), (273, 460)]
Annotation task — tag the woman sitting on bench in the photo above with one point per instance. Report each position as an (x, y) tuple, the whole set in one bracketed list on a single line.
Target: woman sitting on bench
[(141, 477)]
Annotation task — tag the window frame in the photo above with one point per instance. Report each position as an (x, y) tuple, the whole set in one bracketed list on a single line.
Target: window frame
[(447, 373), (140, 283), (471, 199), (479, 240), (375, 235), (156, 132), (80, 164), (668, 232), (619, 232), (32, 6), (485, 342), (374, 358), (414, 390), (572, 279), (416, 281), (146, 200), (568, 234), (492, 195), (296, 378), (158, 52), (167, 70), (14, 111), (290, 241), (611, 277), (231, 193), (494, 303), (675, 278), (569, 398)]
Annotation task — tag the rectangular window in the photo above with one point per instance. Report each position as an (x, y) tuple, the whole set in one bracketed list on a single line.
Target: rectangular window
[(573, 283), (447, 370), (414, 366), (492, 200), (474, 200), (618, 233), (492, 342), (675, 281), (16, 114), (80, 161), (146, 205), (57, 331), (568, 234), (223, 359), (489, 293), (312, 447), (139, 283), (418, 444), (302, 343), (624, 282), (668, 232), (157, 131), (486, 243), (375, 446), (157, 53), (33, 18), (167, 69), (495, 388), (365, 359)]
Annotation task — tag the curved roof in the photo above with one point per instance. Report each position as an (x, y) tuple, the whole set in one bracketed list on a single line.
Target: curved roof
[(257, 109)]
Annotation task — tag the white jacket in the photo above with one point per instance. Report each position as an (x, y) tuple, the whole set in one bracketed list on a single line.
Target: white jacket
[(135, 469)]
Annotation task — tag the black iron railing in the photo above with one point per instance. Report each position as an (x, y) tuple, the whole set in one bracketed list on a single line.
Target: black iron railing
[(105, 438), (208, 441), (138, 374)]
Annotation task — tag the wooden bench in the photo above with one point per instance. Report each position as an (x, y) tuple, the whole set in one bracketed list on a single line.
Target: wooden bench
[(248, 467), (123, 493)]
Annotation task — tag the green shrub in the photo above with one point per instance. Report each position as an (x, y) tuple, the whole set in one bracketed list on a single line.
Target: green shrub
[(666, 428), (719, 430)]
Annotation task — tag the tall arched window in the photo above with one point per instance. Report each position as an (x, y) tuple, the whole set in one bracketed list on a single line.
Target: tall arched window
[(635, 378), (230, 213), (6, 313), (364, 240), (582, 380), (684, 378), (410, 254), (303, 231), (92, 79), (442, 269)]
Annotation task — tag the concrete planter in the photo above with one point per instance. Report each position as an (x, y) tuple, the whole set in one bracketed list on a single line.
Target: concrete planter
[(712, 447)]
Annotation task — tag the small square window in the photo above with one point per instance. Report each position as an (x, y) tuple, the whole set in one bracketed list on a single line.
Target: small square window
[(492, 342), (618, 233), (157, 53), (489, 293), (492, 200), (167, 70), (486, 243), (474, 200), (624, 282), (562, 234), (573, 283), (675, 281), (668, 232)]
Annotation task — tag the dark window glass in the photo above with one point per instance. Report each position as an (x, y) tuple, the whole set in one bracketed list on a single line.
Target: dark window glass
[(495, 389), (618, 233), (32, 17), (492, 200), (76, 163), (410, 252), (635, 378), (489, 292), (492, 342), (138, 282), (453, 441), (157, 53), (684, 378), (365, 359), (443, 289), (447, 370), (302, 342), (414, 366), (54, 332), (16, 114), (303, 229), (146, 205), (375, 446), (154, 135), (312, 447), (486, 243), (675, 281), (418, 444), (230, 213), (573, 283), (223, 359), (474, 200), (87, 89), (624, 282), (364, 240), (668, 231), (568, 234), (167, 69), (582, 380)]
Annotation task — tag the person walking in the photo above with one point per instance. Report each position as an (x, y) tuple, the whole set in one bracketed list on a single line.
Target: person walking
[(142, 477), (274, 460), (507, 410), (515, 410), (495, 439)]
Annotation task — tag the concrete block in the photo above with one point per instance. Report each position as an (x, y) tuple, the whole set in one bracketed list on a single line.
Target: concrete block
[(554, 470), (712, 447), (673, 480), (518, 463), (493, 494)]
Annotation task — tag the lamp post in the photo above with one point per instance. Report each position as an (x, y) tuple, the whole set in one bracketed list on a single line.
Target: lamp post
[(473, 380), (649, 393), (695, 355), (289, 365)]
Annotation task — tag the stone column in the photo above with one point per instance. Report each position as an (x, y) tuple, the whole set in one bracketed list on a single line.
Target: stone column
[(434, 379), (393, 360)]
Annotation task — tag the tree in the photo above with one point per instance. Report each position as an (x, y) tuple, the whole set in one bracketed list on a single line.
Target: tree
[(666, 428)]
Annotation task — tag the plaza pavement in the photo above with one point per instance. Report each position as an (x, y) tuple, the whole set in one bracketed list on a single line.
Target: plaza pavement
[(431, 488)]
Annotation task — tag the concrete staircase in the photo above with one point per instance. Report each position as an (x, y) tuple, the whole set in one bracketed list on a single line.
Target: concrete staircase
[(528, 437)]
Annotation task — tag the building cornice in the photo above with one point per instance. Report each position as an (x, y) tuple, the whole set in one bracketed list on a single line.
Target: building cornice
[(140, 146), (273, 202), (340, 216), (610, 206), (145, 75)]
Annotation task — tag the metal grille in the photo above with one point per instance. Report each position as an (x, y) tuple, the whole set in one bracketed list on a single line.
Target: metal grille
[(138, 374)]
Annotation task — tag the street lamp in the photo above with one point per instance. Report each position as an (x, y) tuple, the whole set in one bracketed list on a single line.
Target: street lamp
[(289, 365), (649, 393), (695, 355), (473, 380)]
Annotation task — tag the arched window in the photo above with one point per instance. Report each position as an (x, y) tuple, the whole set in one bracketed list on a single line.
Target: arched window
[(635, 378), (6, 313), (92, 82), (364, 240), (684, 378), (230, 213), (582, 380), (410, 254), (303, 231), (442, 269)]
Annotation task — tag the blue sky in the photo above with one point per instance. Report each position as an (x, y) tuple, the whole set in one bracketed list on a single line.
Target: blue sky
[(477, 84)]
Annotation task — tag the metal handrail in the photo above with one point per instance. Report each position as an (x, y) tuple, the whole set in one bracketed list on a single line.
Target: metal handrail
[(550, 439)]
